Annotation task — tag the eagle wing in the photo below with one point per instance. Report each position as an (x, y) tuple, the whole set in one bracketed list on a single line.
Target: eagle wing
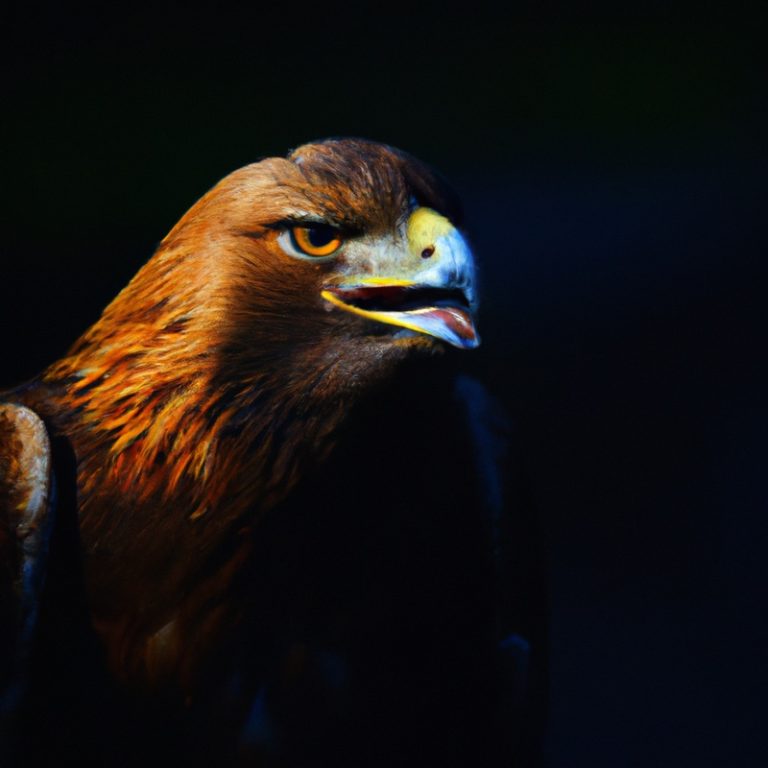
[(26, 522)]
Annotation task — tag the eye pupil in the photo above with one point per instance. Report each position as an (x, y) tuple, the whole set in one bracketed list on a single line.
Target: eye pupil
[(319, 235)]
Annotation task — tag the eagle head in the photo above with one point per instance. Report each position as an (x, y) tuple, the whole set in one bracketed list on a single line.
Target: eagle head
[(342, 255)]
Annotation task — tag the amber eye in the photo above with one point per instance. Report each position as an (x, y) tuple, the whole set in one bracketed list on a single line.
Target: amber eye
[(315, 239)]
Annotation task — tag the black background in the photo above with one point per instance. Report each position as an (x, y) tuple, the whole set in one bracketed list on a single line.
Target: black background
[(612, 168)]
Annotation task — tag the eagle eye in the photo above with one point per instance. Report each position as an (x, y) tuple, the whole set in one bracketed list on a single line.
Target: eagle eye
[(316, 240)]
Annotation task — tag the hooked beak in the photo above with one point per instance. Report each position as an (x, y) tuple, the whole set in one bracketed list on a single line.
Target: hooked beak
[(429, 290)]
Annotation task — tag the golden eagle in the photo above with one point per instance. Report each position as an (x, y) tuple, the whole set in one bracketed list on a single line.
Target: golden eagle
[(252, 517)]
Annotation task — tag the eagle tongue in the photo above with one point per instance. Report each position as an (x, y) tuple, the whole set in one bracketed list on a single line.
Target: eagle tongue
[(456, 320)]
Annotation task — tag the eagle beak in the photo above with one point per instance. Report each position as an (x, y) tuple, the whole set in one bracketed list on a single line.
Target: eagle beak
[(429, 290)]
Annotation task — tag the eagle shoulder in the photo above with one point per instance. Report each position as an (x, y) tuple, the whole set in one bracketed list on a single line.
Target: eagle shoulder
[(25, 529)]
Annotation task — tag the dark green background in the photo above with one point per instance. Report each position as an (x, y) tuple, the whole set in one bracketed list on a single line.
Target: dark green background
[(613, 168)]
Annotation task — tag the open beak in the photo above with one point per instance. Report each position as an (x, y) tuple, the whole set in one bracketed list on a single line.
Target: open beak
[(430, 289), (443, 313)]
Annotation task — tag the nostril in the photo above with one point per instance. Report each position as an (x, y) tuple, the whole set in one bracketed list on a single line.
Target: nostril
[(427, 252)]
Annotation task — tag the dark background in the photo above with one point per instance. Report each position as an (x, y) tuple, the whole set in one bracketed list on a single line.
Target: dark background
[(612, 168)]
